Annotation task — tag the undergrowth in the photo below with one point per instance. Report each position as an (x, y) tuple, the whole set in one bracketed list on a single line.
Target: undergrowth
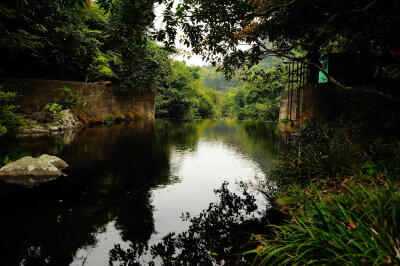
[(333, 152), (340, 186)]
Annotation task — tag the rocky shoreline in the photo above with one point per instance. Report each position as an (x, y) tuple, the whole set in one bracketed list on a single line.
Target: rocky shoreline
[(64, 121)]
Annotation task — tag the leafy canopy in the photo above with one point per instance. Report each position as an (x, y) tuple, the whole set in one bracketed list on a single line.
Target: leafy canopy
[(290, 28)]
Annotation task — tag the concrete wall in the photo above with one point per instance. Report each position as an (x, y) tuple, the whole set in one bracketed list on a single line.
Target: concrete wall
[(316, 103), (99, 100)]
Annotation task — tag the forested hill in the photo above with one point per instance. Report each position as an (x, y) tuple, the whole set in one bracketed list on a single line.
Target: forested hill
[(250, 94), (193, 92), (217, 80)]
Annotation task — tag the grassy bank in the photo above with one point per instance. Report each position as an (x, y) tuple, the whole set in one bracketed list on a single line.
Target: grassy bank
[(341, 190)]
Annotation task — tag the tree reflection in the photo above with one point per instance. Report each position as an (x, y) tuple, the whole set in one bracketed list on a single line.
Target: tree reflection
[(111, 175), (218, 235)]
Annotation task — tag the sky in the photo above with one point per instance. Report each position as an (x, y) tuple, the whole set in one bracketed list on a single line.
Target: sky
[(187, 56)]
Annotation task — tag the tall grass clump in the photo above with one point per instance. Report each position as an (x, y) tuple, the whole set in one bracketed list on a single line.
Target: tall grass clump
[(335, 151), (359, 226)]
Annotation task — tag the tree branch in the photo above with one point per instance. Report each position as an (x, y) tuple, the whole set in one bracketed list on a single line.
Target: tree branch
[(330, 77)]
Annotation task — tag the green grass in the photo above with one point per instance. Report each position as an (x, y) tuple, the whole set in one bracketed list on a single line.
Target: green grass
[(359, 226)]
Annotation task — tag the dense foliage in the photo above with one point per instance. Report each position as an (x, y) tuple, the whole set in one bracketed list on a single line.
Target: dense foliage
[(78, 40), (252, 95), (184, 96), (136, 62), (258, 98), (108, 40), (47, 39), (216, 80)]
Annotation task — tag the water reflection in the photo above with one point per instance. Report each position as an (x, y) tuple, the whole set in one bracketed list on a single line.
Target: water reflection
[(126, 185), (218, 235)]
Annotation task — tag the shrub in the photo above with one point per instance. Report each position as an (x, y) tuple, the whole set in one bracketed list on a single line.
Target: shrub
[(68, 100), (55, 108), (10, 121), (100, 67), (109, 121), (336, 185)]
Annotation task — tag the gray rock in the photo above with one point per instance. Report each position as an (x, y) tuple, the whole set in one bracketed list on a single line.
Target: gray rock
[(66, 136), (64, 120), (30, 171), (36, 130), (57, 162)]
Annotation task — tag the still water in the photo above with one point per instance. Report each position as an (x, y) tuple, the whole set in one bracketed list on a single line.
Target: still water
[(127, 187)]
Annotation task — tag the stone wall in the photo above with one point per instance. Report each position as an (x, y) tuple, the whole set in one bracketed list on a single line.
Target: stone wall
[(99, 100)]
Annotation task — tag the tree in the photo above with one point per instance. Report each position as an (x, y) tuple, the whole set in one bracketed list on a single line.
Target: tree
[(216, 80), (292, 29), (81, 40), (184, 96), (258, 98), (46, 39)]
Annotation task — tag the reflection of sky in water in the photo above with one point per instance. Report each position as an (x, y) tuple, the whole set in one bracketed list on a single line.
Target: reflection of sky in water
[(197, 172), (98, 254), (201, 171)]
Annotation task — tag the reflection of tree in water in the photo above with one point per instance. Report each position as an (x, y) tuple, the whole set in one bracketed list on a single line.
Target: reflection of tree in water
[(111, 173), (180, 134), (258, 140), (219, 234)]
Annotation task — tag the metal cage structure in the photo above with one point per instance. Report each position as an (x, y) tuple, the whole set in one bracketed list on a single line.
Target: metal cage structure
[(297, 75)]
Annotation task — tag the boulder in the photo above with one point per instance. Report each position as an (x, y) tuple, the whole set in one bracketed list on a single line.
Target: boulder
[(31, 171), (57, 162), (63, 121)]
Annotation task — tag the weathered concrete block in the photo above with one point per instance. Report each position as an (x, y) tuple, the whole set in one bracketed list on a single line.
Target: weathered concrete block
[(98, 102)]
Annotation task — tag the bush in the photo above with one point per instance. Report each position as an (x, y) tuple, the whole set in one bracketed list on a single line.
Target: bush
[(70, 99), (10, 122), (183, 96), (55, 108)]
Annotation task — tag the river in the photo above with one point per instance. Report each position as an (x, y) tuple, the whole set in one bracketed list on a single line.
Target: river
[(127, 187)]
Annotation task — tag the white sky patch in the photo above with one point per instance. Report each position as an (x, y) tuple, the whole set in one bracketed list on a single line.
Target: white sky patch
[(186, 54)]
